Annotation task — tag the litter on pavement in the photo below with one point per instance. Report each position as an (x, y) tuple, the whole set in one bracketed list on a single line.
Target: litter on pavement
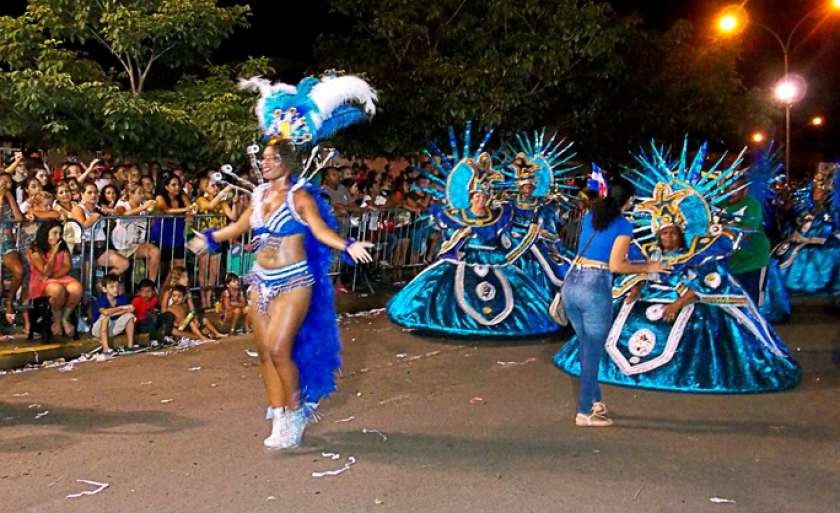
[(99, 487), (350, 462)]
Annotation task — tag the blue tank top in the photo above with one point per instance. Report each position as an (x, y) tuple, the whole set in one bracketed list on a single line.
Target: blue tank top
[(601, 246)]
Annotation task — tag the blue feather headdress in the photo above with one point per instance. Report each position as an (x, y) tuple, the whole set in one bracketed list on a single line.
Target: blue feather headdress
[(681, 192), (313, 110)]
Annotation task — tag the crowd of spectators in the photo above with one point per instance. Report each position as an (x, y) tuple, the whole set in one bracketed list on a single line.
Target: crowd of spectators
[(70, 228)]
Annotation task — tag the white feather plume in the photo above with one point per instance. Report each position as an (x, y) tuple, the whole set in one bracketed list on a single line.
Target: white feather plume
[(333, 92)]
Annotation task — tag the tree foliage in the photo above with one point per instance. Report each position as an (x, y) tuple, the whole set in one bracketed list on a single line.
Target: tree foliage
[(54, 93), (575, 65), (498, 62)]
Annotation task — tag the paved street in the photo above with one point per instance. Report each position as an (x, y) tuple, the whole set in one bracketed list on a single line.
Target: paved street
[(433, 425)]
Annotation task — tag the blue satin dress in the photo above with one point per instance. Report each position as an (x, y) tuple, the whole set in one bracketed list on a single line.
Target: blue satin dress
[(718, 344), (474, 289), (534, 226), (775, 301), (809, 260)]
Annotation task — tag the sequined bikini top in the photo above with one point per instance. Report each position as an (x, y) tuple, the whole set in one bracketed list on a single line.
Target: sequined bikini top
[(283, 222)]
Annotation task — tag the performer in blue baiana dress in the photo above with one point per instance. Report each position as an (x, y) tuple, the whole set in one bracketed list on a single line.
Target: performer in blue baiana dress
[(809, 260), (534, 169), (291, 297), (473, 288), (692, 329)]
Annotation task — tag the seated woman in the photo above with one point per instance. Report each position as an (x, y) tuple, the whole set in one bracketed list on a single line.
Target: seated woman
[(50, 265), (692, 330)]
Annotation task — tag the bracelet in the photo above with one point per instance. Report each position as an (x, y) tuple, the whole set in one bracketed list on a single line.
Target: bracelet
[(212, 245), (345, 256)]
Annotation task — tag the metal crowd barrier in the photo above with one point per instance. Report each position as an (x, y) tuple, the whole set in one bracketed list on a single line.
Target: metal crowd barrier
[(404, 243)]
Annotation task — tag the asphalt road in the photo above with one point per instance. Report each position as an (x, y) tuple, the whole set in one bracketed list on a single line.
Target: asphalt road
[(433, 424)]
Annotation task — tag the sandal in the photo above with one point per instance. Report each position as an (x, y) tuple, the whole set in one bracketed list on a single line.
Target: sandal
[(599, 408), (592, 420)]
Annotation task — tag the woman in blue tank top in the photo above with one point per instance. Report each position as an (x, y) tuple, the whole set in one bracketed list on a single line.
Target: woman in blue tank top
[(587, 293)]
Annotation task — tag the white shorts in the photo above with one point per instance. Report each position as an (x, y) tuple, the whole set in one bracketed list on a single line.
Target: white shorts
[(115, 327)]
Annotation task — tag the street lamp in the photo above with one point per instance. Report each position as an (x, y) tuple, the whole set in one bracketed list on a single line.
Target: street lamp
[(758, 137), (818, 120), (789, 90), (732, 18)]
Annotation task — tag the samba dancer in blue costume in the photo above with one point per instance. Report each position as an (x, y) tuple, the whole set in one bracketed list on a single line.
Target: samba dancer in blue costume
[(809, 259), (293, 311), (765, 172), (473, 288), (534, 169), (693, 329)]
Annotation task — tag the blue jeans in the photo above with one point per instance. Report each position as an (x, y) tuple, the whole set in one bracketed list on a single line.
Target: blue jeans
[(587, 298)]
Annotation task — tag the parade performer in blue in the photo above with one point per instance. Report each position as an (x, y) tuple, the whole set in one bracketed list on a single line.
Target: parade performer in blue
[(292, 307), (692, 329), (473, 288), (534, 169), (809, 260), (764, 174)]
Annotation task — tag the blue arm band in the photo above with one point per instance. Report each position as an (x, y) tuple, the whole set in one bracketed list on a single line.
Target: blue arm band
[(212, 245)]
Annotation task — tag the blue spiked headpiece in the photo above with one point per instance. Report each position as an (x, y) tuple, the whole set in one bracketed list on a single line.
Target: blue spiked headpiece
[(533, 158), (683, 192)]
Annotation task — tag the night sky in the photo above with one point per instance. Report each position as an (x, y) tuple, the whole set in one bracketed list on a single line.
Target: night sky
[(276, 31)]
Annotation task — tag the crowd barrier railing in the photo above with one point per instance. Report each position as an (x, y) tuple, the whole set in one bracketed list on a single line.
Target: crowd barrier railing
[(137, 247)]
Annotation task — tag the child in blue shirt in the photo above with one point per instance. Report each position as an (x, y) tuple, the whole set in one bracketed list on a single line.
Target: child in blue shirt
[(113, 315)]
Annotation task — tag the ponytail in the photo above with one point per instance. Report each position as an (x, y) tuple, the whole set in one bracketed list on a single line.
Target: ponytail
[(606, 210)]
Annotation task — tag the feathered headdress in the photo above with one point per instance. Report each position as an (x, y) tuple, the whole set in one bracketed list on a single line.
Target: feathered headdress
[(313, 110), (680, 192)]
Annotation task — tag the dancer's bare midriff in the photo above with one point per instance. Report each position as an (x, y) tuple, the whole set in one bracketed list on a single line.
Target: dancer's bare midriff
[(284, 251)]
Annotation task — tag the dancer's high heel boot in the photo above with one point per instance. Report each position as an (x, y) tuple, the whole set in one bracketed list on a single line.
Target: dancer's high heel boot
[(278, 439), (297, 424)]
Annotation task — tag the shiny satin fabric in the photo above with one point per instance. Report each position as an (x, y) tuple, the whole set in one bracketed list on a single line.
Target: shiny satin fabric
[(811, 269), (538, 262), (775, 304), (719, 344), (472, 290), (456, 298), (809, 260)]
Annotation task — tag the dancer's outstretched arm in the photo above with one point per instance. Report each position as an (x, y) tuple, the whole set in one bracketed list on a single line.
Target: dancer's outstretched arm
[(234, 230), (308, 210)]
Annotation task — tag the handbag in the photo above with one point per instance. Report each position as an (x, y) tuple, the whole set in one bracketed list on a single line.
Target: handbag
[(556, 310)]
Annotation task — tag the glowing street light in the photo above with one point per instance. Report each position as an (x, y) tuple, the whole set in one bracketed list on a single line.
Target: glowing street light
[(790, 89), (818, 120), (734, 18), (758, 137), (731, 20), (728, 23)]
